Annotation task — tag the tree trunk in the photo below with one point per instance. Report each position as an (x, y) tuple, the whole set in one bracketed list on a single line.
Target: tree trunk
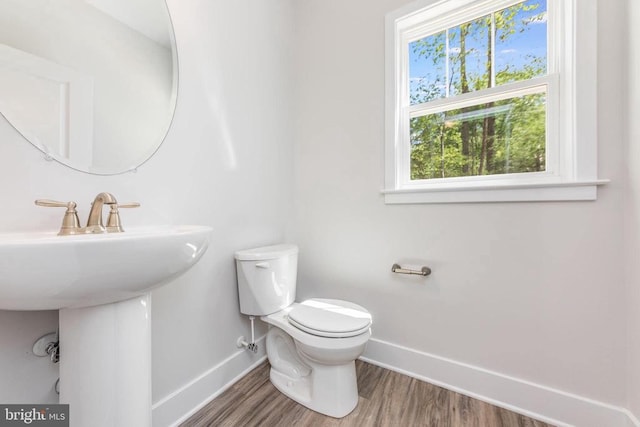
[(464, 127), (489, 125)]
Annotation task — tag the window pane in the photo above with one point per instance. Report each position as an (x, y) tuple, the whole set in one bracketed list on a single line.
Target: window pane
[(494, 138), (470, 56), (521, 41), (427, 68)]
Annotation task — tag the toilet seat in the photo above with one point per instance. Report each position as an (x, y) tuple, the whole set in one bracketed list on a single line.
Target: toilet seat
[(330, 318)]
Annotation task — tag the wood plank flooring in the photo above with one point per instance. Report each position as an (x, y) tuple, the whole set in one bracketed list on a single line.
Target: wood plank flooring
[(386, 399)]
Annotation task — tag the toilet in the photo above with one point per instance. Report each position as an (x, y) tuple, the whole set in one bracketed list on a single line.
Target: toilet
[(311, 345)]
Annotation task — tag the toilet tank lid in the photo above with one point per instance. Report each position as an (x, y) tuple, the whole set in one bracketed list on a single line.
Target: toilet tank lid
[(266, 252)]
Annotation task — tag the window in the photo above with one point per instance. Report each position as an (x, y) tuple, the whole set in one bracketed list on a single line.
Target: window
[(483, 102)]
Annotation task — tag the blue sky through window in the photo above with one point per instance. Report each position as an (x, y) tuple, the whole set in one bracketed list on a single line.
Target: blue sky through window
[(432, 76)]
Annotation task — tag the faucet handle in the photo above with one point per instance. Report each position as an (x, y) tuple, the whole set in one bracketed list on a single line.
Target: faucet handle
[(128, 205), (54, 203), (113, 222), (70, 221)]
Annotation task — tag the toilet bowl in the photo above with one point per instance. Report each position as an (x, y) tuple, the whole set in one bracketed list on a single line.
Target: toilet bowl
[(312, 345), (315, 371)]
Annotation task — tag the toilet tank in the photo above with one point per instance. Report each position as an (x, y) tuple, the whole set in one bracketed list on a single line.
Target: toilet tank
[(266, 278)]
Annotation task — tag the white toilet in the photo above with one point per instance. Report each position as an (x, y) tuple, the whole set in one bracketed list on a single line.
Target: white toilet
[(311, 346)]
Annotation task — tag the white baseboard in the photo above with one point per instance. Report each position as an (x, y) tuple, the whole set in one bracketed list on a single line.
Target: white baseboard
[(188, 399), (524, 397)]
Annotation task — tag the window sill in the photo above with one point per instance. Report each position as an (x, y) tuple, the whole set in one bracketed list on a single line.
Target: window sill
[(543, 192)]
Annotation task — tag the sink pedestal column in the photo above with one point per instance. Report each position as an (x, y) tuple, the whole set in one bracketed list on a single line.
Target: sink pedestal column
[(105, 363)]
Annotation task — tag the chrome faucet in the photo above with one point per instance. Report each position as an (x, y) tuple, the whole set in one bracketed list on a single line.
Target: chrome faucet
[(94, 223)]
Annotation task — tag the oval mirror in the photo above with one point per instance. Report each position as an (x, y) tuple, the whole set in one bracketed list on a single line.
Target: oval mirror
[(93, 83)]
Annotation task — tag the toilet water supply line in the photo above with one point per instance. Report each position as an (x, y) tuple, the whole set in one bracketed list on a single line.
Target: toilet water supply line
[(249, 345)]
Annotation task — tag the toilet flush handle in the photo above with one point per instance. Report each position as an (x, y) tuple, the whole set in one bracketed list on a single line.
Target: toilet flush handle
[(262, 265)]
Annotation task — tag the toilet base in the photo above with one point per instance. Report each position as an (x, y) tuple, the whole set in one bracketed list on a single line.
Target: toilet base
[(317, 372), (330, 390)]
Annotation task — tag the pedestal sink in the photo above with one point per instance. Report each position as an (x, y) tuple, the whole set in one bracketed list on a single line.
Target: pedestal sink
[(100, 284)]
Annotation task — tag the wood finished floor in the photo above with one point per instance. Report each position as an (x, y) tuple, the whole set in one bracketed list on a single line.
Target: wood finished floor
[(386, 399)]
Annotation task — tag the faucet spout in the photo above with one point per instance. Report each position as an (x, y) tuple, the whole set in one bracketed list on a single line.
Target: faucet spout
[(94, 223)]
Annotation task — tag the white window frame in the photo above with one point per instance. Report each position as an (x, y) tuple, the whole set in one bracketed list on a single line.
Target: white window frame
[(571, 150)]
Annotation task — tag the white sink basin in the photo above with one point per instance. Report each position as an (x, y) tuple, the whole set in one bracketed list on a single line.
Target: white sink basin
[(43, 271)]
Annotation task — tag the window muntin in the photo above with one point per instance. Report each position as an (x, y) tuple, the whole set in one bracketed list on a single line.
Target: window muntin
[(503, 135)]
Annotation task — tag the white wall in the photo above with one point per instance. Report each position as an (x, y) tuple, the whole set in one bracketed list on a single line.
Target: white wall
[(235, 90), (530, 290), (632, 207), (225, 163)]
